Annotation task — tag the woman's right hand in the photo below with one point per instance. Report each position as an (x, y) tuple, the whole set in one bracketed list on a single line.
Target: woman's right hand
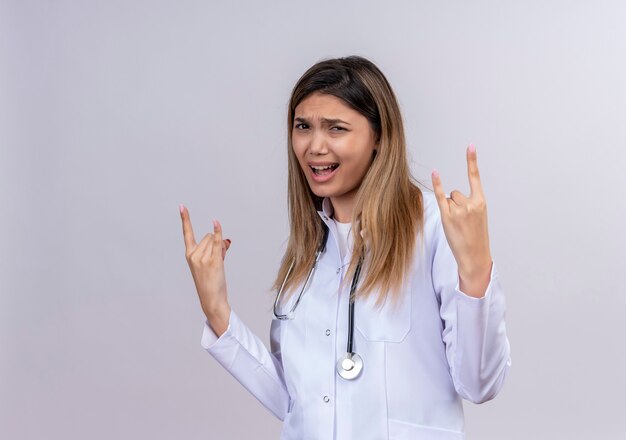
[(206, 261)]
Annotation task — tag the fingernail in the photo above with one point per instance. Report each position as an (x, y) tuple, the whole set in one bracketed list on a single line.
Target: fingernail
[(181, 207), (472, 148), (214, 223), (435, 174)]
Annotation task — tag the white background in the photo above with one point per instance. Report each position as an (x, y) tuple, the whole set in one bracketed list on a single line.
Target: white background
[(112, 113)]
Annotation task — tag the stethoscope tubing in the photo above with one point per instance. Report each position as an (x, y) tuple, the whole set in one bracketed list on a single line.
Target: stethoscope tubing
[(321, 249), (350, 366), (351, 299)]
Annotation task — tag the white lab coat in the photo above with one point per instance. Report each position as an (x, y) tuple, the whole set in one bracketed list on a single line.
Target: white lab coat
[(440, 346)]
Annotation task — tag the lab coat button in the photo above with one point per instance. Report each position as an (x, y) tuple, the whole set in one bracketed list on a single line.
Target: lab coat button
[(326, 399), (327, 332)]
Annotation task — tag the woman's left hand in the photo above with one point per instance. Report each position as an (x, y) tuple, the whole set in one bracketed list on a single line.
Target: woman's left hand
[(465, 226)]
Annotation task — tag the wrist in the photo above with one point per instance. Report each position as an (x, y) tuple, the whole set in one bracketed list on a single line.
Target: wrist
[(475, 271), (474, 283), (217, 310), (218, 318)]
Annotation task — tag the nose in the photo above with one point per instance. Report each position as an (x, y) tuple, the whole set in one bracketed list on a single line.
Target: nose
[(318, 144)]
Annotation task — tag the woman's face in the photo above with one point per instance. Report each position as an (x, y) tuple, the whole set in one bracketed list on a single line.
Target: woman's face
[(334, 145)]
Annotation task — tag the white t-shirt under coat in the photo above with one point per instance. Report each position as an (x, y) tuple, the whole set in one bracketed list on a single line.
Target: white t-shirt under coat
[(344, 230)]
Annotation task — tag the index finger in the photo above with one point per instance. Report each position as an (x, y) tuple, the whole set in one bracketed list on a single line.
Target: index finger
[(190, 240), (472, 171), (217, 231), (440, 194)]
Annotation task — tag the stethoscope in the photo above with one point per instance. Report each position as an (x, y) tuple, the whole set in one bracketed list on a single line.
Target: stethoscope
[(350, 365)]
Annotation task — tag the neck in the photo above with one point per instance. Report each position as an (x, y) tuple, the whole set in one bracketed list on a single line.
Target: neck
[(343, 207)]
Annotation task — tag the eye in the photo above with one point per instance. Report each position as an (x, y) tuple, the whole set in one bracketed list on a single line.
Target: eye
[(338, 128), (301, 126)]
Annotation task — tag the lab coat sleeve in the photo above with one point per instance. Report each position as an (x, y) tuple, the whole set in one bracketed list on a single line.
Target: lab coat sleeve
[(474, 333), (246, 357)]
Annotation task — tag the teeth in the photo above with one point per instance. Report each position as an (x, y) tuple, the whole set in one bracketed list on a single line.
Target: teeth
[(319, 168)]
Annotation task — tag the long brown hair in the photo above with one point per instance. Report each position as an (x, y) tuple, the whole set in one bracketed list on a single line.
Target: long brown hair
[(388, 213)]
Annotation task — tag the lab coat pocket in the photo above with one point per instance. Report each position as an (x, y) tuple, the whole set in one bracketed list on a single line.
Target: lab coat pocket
[(391, 323), (399, 430)]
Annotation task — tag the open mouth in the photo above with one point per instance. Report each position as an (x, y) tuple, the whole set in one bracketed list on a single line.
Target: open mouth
[(324, 170)]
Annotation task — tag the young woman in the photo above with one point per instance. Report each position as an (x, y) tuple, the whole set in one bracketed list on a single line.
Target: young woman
[(389, 310)]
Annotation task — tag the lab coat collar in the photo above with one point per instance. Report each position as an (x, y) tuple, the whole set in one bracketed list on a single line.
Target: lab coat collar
[(326, 215), (327, 211)]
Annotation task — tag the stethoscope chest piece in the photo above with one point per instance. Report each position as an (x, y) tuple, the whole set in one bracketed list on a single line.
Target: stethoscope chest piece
[(350, 366)]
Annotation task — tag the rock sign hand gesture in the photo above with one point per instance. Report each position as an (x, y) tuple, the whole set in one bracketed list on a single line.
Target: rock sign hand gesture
[(206, 261), (465, 226)]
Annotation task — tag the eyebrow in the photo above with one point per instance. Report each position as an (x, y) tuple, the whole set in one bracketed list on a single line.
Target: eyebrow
[(328, 121)]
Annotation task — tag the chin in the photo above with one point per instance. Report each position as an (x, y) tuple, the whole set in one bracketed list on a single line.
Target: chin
[(322, 192)]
